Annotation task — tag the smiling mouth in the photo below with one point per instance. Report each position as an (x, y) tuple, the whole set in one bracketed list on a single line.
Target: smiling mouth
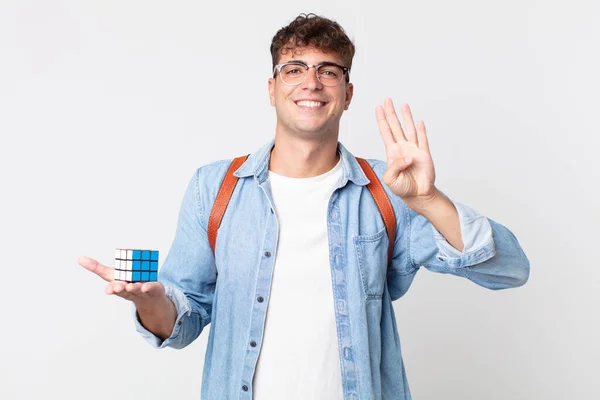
[(312, 105)]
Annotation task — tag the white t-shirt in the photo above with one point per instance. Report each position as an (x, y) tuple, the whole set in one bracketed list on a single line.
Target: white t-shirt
[(299, 356)]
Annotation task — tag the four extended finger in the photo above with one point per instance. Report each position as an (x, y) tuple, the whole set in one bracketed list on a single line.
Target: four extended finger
[(409, 124), (392, 120), (422, 134), (384, 128)]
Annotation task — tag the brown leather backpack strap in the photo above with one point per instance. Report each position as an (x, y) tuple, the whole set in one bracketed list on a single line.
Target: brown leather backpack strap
[(222, 200), (383, 203)]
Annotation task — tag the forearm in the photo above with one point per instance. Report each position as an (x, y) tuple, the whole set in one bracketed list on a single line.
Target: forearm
[(442, 214), (159, 318)]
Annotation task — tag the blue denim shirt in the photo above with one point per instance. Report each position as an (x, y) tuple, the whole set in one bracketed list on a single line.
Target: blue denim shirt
[(235, 303)]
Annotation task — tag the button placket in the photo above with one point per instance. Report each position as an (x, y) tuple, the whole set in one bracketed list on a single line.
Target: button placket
[(263, 284), (336, 236)]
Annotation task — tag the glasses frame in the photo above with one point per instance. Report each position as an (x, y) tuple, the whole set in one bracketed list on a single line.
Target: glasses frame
[(278, 67)]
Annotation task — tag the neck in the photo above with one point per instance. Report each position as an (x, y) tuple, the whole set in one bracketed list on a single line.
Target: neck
[(301, 158)]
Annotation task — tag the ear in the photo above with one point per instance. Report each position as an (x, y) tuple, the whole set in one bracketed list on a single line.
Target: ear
[(272, 91), (349, 94)]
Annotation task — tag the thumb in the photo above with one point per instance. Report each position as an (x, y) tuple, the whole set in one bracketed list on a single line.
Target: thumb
[(394, 167), (104, 272), (153, 289)]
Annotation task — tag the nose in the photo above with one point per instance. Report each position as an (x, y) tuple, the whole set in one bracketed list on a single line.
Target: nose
[(312, 82)]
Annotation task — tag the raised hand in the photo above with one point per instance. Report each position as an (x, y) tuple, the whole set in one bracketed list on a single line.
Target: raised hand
[(410, 173)]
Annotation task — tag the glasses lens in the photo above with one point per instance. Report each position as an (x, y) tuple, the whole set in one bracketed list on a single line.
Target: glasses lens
[(293, 74), (330, 75)]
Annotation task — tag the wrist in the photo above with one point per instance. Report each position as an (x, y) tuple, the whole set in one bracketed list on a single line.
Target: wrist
[(152, 306), (426, 204)]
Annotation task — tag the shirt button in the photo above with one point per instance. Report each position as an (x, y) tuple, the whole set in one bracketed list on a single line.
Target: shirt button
[(245, 388), (260, 299), (253, 343), (179, 323), (267, 254)]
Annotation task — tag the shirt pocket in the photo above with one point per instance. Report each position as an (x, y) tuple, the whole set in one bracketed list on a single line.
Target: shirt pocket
[(371, 253)]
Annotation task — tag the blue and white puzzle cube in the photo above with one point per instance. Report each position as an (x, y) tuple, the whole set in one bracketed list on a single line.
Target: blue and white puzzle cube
[(136, 265)]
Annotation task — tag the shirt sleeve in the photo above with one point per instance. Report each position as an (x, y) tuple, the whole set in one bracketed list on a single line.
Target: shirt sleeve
[(189, 273), (492, 256), (182, 305), (476, 233)]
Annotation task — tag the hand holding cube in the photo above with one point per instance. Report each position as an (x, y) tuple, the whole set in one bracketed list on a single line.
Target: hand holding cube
[(143, 294)]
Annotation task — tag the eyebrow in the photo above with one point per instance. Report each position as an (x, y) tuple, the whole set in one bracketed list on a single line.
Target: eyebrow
[(320, 62)]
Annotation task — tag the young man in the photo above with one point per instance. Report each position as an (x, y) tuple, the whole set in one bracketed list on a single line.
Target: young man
[(302, 305)]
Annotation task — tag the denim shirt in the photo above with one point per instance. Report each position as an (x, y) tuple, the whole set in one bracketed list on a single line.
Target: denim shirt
[(364, 286)]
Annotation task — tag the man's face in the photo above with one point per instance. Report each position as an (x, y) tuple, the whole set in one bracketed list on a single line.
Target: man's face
[(323, 113)]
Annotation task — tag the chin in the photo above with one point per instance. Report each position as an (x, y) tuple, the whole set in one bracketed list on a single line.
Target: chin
[(310, 126), (310, 131)]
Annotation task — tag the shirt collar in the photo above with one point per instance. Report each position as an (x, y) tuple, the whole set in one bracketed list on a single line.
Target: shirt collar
[(257, 165)]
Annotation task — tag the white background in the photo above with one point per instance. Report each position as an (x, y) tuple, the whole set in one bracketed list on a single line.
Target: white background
[(107, 108)]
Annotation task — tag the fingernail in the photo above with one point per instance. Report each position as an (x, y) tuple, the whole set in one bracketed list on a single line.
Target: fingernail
[(407, 159)]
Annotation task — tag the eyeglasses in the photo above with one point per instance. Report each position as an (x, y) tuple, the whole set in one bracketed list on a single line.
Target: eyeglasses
[(295, 72)]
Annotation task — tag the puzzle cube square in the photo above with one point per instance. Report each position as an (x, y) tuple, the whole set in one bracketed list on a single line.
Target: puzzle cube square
[(136, 265)]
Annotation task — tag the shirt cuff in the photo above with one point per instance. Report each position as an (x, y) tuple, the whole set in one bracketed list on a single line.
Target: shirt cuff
[(182, 306), (476, 233)]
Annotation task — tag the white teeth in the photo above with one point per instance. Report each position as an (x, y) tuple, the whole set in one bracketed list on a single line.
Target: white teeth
[(305, 103)]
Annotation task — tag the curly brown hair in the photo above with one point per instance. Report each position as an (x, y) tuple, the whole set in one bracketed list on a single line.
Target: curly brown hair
[(310, 30)]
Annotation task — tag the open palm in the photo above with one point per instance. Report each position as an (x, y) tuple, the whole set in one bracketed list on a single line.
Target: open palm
[(410, 173)]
